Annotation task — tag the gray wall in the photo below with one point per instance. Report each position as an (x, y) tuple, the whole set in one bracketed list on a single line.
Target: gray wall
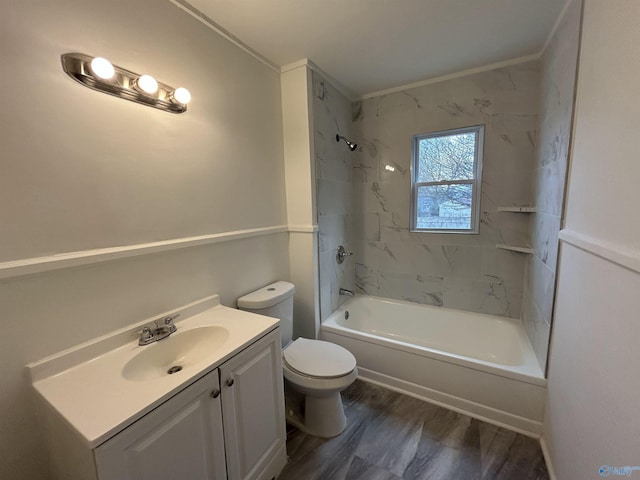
[(452, 270), (557, 86), (333, 161), (82, 170)]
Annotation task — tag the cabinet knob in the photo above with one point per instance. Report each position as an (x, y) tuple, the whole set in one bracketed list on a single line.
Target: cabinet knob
[(230, 382), (215, 394)]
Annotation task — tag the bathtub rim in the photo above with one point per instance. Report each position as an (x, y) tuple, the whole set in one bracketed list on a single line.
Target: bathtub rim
[(529, 373)]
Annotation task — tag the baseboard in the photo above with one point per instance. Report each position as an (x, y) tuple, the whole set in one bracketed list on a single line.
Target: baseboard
[(502, 419), (547, 459)]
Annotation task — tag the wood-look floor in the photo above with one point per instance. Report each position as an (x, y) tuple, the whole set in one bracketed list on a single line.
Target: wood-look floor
[(390, 436)]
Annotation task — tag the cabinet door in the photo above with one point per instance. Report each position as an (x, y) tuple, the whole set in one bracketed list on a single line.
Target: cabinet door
[(253, 409), (181, 439)]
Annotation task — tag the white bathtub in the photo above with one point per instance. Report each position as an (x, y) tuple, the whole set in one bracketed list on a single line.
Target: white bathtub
[(478, 364)]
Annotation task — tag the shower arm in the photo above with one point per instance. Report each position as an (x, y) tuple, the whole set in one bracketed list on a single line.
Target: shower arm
[(352, 146)]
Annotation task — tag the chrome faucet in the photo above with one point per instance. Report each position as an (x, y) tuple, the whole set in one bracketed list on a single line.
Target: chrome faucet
[(344, 291), (150, 335)]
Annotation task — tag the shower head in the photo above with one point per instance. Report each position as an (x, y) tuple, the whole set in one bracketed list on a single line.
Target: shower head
[(352, 146)]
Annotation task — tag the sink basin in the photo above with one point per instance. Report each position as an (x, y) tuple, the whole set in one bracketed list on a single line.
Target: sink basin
[(174, 353)]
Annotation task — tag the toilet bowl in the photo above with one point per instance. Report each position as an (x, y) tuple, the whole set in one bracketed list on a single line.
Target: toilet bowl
[(320, 371), (314, 369)]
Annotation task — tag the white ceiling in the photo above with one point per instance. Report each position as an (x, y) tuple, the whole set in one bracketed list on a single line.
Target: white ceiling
[(372, 45)]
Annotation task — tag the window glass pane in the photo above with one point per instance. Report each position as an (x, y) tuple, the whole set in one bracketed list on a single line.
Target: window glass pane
[(444, 207), (449, 157)]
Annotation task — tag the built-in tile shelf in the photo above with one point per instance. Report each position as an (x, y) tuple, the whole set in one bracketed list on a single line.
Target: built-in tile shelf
[(518, 209), (516, 248)]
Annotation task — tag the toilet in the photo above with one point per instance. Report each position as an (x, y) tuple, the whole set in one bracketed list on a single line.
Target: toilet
[(314, 369)]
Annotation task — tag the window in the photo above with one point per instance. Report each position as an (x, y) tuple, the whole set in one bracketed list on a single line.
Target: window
[(445, 181)]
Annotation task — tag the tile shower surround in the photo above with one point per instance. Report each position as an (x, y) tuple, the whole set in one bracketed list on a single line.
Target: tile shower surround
[(526, 109), (332, 115), (557, 85), (452, 270)]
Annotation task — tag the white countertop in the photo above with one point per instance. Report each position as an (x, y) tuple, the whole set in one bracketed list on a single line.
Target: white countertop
[(86, 387)]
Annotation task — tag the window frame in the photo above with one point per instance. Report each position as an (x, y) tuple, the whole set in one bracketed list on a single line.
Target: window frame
[(475, 183)]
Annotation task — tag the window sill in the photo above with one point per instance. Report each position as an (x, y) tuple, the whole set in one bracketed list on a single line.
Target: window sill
[(518, 209)]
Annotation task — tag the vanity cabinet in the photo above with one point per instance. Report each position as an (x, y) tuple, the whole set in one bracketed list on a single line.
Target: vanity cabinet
[(182, 438), (229, 424), (253, 411)]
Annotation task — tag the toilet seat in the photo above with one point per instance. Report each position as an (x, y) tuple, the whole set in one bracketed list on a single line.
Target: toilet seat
[(318, 359)]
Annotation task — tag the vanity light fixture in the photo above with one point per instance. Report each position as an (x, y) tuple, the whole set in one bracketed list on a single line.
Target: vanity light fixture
[(99, 74)]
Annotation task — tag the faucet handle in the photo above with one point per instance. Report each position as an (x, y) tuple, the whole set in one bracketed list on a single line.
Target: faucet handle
[(168, 321), (146, 335), (342, 254)]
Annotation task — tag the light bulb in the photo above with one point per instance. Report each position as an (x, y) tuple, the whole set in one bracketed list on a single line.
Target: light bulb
[(102, 68), (147, 84), (182, 95)]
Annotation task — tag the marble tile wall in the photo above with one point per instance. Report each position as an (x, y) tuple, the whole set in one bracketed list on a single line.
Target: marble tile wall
[(334, 172), (452, 270), (557, 84)]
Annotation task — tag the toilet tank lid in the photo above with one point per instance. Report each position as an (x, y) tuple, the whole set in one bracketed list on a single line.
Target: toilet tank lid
[(267, 296)]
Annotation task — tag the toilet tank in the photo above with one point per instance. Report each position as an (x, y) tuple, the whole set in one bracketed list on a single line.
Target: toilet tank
[(274, 300)]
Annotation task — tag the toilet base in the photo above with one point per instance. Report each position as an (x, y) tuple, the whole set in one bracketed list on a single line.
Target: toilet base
[(323, 416)]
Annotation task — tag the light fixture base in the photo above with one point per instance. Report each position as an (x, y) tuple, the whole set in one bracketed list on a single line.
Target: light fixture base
[(122, 84)]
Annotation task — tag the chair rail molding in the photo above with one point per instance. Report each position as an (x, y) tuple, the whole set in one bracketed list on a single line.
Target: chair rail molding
[(15, 268), (618, 254)]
